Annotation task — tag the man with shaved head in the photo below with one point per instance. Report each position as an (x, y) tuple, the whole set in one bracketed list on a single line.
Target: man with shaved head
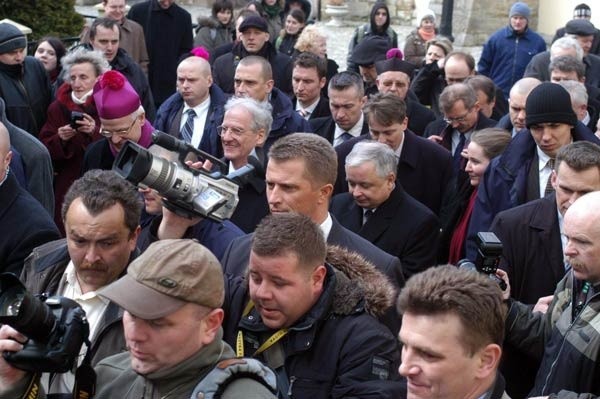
[(514, 121), (565, 338), (194, 112)]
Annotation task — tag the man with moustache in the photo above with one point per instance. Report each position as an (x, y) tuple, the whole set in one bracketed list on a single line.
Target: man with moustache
[(100, 212)]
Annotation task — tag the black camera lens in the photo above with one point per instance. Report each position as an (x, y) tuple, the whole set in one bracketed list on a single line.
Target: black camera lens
[(22, 311)]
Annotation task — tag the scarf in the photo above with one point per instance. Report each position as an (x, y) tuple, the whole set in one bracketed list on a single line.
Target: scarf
[(426, 35), (83, 99), (272, 11)]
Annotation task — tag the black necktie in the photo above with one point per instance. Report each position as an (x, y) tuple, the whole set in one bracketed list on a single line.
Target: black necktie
[(367, 213), (457, 157)]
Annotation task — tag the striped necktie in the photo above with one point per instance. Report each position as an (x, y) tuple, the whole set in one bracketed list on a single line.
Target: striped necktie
[(549, 189), (187, 132)]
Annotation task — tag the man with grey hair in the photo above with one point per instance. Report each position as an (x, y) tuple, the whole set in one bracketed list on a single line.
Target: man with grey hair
[(244, 131), (514, 121), (194, 112), (568, 45), (568, 68), (378, 209), (462, 116), (579, 102)]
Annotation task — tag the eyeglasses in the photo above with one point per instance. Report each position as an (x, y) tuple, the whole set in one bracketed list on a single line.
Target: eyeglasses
[(234, 131), (459, 119), (123, 132)]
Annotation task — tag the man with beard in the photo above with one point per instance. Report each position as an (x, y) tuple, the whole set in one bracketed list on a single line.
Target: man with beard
[(100, 212)]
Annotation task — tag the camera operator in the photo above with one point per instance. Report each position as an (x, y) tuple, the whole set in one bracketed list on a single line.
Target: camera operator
[(164, 224), (172, 295), (101, 212), (566, 338)]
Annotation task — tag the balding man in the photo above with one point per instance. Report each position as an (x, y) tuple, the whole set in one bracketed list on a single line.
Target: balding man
[(514, 121), (29, 223), (194, 112), (564, 338)]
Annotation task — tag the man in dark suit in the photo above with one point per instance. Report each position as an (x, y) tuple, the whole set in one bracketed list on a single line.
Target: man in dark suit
[(300, 174), (462, 116), (424, 168), (309, 76), (378, 209), (522, 172), (194, 112), (533, 245), (393, 76), (346, 99)]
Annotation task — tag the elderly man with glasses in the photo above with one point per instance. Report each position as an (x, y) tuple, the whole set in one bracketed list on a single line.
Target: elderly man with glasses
[(122, 118), (461, 117), (246, 126)]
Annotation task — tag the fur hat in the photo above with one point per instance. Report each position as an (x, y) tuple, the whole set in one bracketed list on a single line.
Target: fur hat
[(11, 38), (521, 9), (549, 103)]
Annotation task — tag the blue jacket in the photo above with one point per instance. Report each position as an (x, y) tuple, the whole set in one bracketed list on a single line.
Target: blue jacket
[(506, 55), (168, 119), (285, 119), (504, 184)]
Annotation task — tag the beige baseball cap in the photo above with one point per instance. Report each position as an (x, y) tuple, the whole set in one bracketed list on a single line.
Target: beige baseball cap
[(169, 274)]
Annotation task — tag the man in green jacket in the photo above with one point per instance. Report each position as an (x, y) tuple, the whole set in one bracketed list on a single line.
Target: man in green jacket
[(172, 296)]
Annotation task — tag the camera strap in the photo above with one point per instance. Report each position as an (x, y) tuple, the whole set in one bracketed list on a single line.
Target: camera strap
[(85, 376)]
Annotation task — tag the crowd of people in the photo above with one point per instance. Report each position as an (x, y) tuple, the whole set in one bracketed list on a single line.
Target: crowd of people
[(345, 268)]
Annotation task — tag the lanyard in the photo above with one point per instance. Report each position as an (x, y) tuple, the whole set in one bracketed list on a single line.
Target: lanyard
[(272, 340)]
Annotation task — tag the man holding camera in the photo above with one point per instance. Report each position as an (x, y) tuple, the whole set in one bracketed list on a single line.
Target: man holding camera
[(566, 337), (101, 212), (172, 296)]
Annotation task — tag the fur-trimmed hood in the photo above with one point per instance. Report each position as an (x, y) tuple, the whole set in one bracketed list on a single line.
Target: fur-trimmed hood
[(358, 281)]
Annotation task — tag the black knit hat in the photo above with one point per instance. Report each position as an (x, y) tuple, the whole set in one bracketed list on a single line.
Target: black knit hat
[(11, 38), (370, 50), (549, 103)]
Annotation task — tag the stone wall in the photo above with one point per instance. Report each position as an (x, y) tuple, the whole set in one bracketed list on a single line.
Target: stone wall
[(474, 20)]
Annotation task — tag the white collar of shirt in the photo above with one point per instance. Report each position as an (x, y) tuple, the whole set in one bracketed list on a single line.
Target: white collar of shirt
[(355, 131), (232, 169), (72, 288), (309, 109), (543, 169), (398, 151), (326, 226), (587, 118)]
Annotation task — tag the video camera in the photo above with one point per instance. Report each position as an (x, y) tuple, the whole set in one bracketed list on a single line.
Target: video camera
[(56, 328), (187, 191), (489, 250)]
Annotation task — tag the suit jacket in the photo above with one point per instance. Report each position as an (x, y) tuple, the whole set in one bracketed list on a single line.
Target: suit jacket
[(421, 160), (325, 127), (322, 109), (401, 226), (237, 255), (532, 248)]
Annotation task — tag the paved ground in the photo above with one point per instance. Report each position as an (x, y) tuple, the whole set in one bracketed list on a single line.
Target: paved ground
[(338, 37)]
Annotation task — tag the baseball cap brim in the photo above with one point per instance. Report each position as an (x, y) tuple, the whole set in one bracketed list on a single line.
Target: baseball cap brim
[(140, 300)]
